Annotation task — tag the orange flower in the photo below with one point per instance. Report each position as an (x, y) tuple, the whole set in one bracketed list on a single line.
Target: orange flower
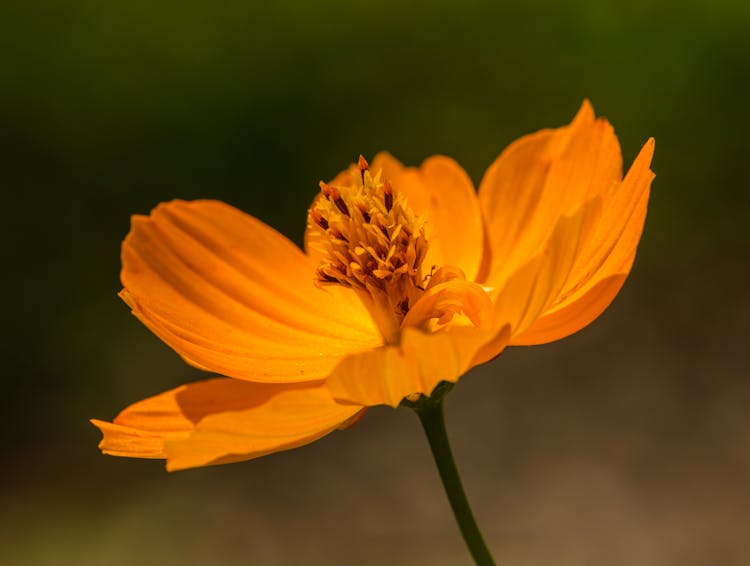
[(409, 278)]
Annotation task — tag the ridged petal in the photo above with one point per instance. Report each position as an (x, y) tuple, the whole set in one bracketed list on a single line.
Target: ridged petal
[(233, 296), (223, 420), (422, 360), (574, 316), (532, 289), (604, 262), (550, 175), (540, 178)]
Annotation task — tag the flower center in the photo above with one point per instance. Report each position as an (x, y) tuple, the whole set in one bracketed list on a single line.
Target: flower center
[(371, 242)]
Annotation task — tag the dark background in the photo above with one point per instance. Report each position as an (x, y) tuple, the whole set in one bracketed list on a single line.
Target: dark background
[(628, 443)]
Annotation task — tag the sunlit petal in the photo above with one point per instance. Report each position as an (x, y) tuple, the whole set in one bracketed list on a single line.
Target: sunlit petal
[(532, 289), (222, 420), (603, 264), (540, 178), (422, 360), (232, 295)]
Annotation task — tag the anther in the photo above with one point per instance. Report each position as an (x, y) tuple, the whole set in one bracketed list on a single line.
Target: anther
[(403, 306), (388, 195), (340, 204), (332, 193), (338, 235), (319, 219), (363, 166), (325, 278), (365, 215), (325, 189)]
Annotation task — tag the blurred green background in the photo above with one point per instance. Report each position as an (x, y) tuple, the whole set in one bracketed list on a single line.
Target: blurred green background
[(628, 443)]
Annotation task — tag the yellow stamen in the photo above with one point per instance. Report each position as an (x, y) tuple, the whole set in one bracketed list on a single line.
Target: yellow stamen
[(373, 243)]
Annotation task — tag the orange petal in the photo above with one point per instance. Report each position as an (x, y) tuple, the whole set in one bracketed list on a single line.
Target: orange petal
[(442, 192), (422, 360), (572, 317), (389, 167), (223, 420), (234, 296), (540, 178), (610, 247), (141, 429), (445, 298), (531, 289), (604, 262)]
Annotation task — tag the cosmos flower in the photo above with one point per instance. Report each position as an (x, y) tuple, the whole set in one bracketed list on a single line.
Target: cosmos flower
[(409, 278)]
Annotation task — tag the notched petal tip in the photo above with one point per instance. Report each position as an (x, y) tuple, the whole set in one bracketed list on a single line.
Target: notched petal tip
[(127, 298), (224, 420), (120, 440)]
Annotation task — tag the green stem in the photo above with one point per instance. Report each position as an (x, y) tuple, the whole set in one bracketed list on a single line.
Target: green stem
[(430, 411)]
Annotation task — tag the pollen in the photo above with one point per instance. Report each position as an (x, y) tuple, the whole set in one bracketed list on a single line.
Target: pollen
[(371, 242)]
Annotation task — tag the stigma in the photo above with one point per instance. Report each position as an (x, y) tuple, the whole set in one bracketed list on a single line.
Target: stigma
[(371, 242)]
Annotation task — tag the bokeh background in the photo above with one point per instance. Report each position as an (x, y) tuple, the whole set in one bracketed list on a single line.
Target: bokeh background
[(628, 443)]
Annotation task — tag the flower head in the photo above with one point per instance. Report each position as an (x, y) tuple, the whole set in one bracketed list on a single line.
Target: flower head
[(409, 278)]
